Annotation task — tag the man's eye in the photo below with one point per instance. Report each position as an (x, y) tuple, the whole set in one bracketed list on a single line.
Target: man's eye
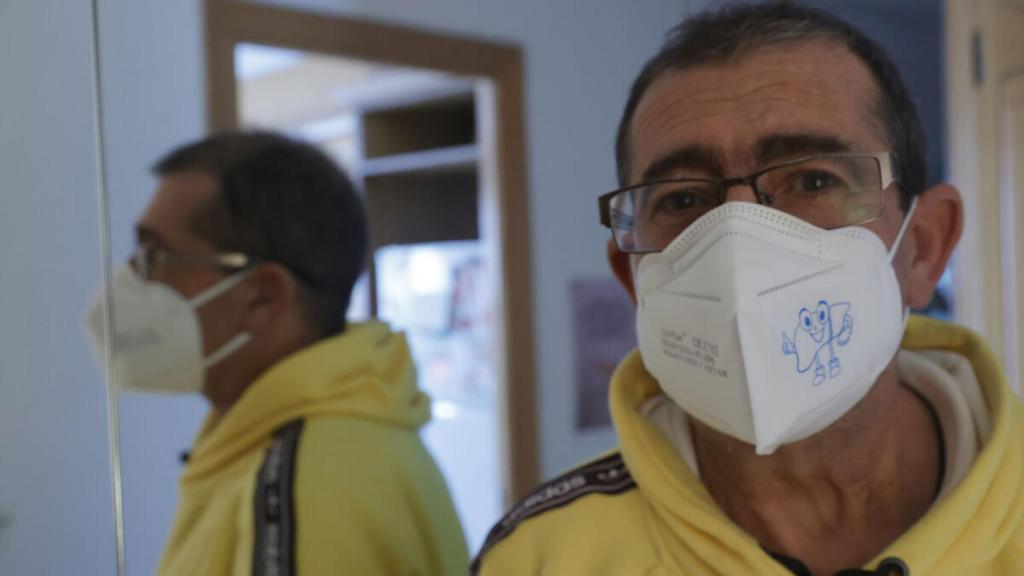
[(675, 202), (145, 254), (621, 220), (154, 256), (816, 182)]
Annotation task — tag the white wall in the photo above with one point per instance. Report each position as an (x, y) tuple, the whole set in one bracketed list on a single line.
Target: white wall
[(54, 479), (580, 58)]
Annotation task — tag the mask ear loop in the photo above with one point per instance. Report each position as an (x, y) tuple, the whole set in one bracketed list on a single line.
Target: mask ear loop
[(903, 229), (218, 289), (240, 340), (229, 348), (896, 245)]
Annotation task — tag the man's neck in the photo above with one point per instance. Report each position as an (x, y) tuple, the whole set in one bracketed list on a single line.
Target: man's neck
[(836, 499), (228, 381)]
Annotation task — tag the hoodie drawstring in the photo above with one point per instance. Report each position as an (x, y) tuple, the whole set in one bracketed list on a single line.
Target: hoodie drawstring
[(889, 567)]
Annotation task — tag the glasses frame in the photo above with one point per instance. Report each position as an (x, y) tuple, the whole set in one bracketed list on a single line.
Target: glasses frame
[(234, 261), (887, 166)]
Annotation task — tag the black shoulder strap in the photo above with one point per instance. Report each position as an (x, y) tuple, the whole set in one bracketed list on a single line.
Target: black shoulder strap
[(607, 475), (274, 511)]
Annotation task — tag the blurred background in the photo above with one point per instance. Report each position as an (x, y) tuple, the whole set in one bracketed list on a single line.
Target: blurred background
[(480, 163)]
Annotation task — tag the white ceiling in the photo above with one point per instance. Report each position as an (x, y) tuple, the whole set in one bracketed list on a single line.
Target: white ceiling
[(288, 89)]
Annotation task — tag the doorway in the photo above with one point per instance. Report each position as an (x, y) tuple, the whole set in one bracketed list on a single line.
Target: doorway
[(430, 129)]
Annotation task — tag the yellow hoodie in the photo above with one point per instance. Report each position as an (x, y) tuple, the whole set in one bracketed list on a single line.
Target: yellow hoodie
[(319, 469), (644, 512)]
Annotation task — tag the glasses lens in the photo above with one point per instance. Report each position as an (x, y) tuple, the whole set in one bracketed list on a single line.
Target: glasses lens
[(138, 261), (829, 192), (647, 218), (145, 259)]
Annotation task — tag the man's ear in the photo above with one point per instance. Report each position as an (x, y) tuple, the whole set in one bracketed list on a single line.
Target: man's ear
[(934, 233), (271, 290), (622, 268)]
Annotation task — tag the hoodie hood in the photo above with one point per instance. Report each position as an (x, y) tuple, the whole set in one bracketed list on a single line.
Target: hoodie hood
[(969, 528), (365, 373)]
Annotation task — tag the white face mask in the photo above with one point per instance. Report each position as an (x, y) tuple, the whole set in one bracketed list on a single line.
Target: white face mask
[(765, 327), (158, 342)]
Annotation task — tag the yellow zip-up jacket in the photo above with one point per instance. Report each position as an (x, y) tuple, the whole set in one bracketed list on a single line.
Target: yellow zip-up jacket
[(319, 469), (642, 511)]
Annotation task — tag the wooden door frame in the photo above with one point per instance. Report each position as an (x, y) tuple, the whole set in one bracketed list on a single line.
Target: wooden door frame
[(989, 266), (230, 22)]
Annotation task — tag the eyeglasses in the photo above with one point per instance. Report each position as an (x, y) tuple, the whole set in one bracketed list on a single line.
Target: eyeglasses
[(146, 257), (827, 190)]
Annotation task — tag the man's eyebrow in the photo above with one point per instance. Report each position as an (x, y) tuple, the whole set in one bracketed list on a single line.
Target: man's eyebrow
[(769, 149), (790, 146), (696, 157)]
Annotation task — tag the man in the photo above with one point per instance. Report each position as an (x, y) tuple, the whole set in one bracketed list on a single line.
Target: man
[(309, 461), (774, 227)]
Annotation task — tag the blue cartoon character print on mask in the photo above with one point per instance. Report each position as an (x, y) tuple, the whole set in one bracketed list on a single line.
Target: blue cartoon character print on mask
[(817, 334)]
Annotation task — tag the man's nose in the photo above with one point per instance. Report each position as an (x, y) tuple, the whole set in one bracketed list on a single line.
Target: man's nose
[(740, 192)]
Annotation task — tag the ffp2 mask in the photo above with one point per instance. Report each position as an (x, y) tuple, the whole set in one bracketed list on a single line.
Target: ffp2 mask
[(765, 327), (158, 341)]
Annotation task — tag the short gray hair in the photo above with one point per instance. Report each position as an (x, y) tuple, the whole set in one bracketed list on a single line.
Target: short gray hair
[(738, 30)]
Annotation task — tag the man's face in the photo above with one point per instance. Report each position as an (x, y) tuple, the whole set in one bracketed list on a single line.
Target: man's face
[(770, 106), (167, 224)]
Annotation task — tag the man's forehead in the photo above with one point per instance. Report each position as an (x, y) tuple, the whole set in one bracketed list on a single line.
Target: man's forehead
[(817, 88), (172, 208)]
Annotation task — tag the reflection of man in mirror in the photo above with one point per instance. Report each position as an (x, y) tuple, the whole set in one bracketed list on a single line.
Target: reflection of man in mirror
[(769, 157), (310, 459)]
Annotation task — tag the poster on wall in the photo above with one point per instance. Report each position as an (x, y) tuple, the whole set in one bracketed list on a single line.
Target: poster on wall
[(603, 332)]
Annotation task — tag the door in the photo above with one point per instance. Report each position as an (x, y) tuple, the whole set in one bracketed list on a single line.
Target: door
[(985, 76)]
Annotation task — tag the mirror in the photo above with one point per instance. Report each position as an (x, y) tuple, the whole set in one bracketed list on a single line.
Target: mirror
[(413, 119), (56, 504)]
